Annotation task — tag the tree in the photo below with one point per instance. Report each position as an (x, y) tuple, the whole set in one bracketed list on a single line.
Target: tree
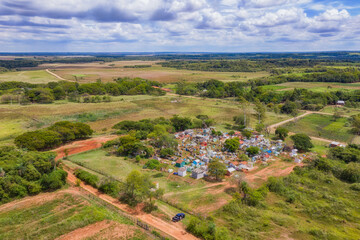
[(245, 110), (217, 169), (302, 142), (232, 144), (355, 123), (180, 123), (281, 133), (252, 150), (136, 187), (289, 107), (260, 111)]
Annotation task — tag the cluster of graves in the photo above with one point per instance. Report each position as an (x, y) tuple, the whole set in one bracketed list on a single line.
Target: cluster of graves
[(198, 147)]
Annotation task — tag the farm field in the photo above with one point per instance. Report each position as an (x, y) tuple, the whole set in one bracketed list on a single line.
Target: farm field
[(341, 110), (65, 214), (314, 86), (33, 76), (322, 126), (102, 116), (90, 72)]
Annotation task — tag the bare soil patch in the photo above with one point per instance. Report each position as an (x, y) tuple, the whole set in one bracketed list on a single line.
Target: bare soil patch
[(82, 146), (101, 230)]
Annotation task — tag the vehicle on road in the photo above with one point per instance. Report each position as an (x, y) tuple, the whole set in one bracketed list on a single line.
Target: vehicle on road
[(178, 217)]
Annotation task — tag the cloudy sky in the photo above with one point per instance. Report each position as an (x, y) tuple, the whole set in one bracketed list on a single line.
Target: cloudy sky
[(179, 25)]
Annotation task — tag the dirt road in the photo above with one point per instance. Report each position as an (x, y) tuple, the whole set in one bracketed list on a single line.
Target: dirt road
[(273, 127), (55, 75), (175, 230)]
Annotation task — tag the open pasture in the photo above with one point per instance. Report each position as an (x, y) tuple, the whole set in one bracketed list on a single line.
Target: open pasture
[(33, 76), (102, 116), (323, 126), (63, 214), (314, 86), (90, 72)]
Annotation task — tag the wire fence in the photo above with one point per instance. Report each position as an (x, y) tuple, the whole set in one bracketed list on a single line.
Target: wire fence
[(152, 231)]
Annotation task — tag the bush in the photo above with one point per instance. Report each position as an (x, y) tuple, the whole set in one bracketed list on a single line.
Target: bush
[(87, 177), (355, 186), (152, 164), (54, 180), (166, 152), (110, 187), (351, 173)]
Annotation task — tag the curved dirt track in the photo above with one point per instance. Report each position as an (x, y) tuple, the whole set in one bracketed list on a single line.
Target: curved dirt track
[(273, 127), (55, 75), (176, 230)]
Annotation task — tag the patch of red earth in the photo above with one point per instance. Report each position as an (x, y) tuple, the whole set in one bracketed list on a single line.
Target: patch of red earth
[(99, 229), (38, 199), (82, 146), (175, 230), (276, 170)]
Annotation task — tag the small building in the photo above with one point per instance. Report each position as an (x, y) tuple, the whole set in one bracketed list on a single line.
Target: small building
[(198, 173), (180, 163), (182, 172), (335, 144), (230, 170), (340, 103)]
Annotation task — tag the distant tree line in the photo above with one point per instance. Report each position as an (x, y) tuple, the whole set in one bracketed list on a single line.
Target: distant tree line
[(239, 65), (289, 100), (19, 92), (53, 136), (25, 173)]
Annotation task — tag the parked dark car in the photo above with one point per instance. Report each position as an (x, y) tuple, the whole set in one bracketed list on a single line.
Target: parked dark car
[(178, 217)]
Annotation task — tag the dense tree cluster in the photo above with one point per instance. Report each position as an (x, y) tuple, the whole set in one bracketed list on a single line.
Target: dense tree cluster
[(53, 136), (88, 92), (239, 65), (289, 101), (27, 173)]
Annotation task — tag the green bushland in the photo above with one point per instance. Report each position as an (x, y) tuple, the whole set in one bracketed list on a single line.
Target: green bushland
[(53, 136), (323, 126), (25, 173), (20, 92), (318, 201)]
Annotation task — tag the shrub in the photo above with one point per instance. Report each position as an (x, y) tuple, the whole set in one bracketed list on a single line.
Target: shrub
[(54, 180), (110, 187), (351, 173), (152, 164), (87, 177), (355, 186)]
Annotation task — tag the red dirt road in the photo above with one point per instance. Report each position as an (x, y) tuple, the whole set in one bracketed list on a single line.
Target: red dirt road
[(82, 146), (175, 230)]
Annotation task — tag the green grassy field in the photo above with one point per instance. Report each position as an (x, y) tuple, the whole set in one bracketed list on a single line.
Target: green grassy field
[(342, 110), (119, 168), (33, 76), (324, 208), (314, 86), (102, 116), (322, 126), (57, 216)]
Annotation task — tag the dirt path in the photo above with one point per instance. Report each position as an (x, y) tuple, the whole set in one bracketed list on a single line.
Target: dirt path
[(273, 127), (172, 229), (82, 146), (55, 75)]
